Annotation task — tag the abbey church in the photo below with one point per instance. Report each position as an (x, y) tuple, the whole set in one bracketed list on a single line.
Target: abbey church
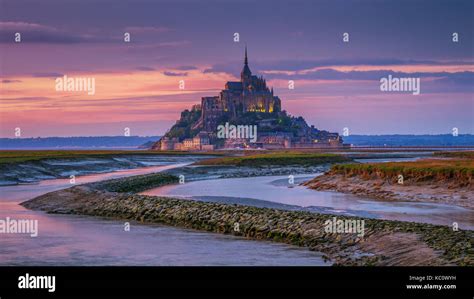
[(250, 94), (251, 102)]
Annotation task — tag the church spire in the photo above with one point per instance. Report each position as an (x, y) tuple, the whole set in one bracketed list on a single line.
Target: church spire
[(246, 61), (246, 74)]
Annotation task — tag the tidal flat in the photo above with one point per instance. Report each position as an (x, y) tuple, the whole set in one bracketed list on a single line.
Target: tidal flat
[(384, 243), (436, 180), (27, 167)]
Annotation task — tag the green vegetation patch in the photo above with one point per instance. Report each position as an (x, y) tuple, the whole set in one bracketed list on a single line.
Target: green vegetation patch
[(24, 156), (135, 184), (460, 154), (278, 158), (460, 171)]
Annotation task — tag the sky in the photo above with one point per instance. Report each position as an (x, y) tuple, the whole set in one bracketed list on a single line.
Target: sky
[(137, 83)]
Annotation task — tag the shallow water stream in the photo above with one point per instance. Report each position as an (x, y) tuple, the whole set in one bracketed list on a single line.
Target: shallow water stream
[(82, 240)]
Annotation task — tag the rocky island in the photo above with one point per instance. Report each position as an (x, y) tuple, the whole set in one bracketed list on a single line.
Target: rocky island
[(248, 102)]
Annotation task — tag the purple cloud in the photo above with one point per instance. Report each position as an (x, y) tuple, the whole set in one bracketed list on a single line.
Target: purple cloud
[(145, 68), (234, 67), (38, 33), (186, 68), (10, 81), (175, 74), (47, 75), (146, 29)]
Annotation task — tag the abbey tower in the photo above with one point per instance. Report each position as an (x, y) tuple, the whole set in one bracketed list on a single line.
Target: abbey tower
[(250, 94)]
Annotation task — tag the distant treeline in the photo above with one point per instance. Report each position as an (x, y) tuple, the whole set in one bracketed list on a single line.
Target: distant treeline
[(77, 142), (410, 140)]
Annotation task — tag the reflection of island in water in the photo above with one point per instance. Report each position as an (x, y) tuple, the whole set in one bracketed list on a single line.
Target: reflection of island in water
[(246, 102)]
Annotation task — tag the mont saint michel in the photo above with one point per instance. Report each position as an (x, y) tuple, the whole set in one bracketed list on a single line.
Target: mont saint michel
[(243, 107), (146, 134)]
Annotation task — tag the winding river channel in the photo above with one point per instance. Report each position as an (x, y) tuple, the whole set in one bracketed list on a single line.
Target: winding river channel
[(80, 240), (277, 192)]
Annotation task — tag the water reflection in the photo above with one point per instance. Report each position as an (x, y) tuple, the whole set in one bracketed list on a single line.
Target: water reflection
[(79, 240), (273, 191)]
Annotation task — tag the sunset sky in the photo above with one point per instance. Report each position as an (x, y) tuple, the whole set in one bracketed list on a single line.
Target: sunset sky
[(337, 84)]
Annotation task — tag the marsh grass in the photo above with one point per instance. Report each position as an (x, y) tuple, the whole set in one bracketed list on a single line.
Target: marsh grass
[(460, 154), (136, 184), (458, 171), (277, 158), (27, 155)]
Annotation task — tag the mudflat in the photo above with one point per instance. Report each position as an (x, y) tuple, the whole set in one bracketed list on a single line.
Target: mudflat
[(382, 243), (447, 181)]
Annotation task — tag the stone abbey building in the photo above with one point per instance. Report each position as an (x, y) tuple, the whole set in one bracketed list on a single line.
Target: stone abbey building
[(250, 94), (249, 101)]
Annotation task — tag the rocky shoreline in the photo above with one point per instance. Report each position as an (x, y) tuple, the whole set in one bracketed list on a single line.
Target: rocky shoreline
[(385, 243), (385, 189)]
